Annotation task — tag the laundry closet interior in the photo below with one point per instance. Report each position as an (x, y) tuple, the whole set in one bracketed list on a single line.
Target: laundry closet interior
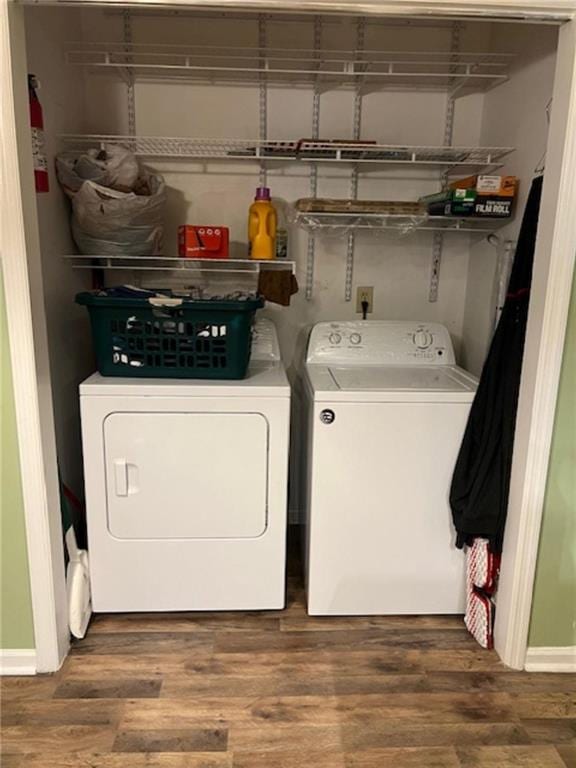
[(216, 102)]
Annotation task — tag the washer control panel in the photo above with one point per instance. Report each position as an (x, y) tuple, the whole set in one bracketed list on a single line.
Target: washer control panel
[(383, 342)]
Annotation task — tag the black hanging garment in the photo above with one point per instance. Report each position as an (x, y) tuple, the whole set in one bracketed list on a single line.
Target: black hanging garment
[(481, 480)]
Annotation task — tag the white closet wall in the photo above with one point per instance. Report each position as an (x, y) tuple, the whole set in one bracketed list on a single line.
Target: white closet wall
[(70, 349), (516, 112)]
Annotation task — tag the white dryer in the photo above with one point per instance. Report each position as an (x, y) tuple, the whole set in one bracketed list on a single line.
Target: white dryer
[(386, 411), (186, 488)]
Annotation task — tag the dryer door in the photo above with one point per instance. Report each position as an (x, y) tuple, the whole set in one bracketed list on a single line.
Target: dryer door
[(186, 475)]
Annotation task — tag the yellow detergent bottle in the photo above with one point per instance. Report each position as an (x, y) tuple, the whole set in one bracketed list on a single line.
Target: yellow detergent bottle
[(262, 223)]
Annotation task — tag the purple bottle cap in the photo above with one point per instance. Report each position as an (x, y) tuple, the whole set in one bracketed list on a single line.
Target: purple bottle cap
[(262, 193)]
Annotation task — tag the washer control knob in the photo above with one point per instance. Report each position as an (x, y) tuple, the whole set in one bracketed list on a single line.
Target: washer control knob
[(423, 339), (355, 338), (335, 338)]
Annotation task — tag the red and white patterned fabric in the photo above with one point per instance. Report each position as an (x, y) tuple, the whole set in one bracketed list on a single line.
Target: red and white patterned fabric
[(482, 568), (479, 619)]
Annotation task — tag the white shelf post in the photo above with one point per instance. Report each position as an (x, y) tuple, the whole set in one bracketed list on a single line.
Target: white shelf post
[(438, 243), (357, 122), (263, 93), (314, 166), (130, 97)]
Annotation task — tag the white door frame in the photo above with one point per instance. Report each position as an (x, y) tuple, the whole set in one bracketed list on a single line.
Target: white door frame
[(549, 304), (22, 271), (545, 10), (548, 314)]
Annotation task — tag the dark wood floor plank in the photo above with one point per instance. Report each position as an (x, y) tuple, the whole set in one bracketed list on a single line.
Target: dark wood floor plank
[(349, 685), (143, 643), (369, 639), (184, 622), (426, 707), (502, 679), (398, 660), (121, 760), (172, 740), (568, 754), (16, 761), (509, 757), (341, 662), (325, 623), (198, 685), (551, 731), (132, 688), (409, 757), (293, 759), (112, 667), (400, 733), (313, 661), (436, 757), (59, 712)]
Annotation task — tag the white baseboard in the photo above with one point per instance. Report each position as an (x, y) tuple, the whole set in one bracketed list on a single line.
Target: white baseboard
[(18, 662), (551, 659)]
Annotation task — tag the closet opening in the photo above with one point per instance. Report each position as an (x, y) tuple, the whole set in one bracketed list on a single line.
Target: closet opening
[(318, 108)]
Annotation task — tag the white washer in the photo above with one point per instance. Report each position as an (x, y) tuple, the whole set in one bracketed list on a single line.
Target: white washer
[(386, 411), (186, 488)]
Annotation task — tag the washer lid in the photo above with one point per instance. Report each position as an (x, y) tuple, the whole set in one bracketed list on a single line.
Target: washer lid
[(391, 383), (401, 378)]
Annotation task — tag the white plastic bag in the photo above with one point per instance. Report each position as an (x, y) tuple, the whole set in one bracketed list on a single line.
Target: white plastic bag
[(108, 222), (111, 166)]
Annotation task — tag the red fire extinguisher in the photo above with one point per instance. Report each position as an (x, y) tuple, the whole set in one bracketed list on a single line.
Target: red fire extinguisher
[(37, 125)]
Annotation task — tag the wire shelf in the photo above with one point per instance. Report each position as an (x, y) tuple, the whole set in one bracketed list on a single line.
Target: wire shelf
[(437, 70), (175, 264), (343, 223), (302, 150)]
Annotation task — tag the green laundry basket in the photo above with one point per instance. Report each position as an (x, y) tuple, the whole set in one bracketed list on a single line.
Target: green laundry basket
[(164, 337)]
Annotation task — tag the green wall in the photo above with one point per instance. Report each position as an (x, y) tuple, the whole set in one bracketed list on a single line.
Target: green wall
[(554, 608), (16, 627)]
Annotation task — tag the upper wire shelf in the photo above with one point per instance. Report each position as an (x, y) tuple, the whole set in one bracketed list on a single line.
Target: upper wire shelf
[(308, 151), (177, 264), (435, 70)]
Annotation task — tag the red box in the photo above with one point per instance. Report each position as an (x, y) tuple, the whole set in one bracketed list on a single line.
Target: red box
[(203, 242)]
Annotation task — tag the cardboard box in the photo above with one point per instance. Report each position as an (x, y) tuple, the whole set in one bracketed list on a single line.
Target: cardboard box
[(494, 207), (499, 186), (451, 202), (203, 242), (467, 202)]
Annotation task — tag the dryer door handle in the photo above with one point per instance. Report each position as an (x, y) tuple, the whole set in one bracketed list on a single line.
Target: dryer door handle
[(121, 477)]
